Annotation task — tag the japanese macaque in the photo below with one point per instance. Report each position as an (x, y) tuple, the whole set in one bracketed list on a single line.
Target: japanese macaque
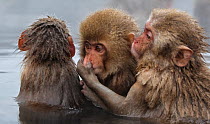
[(173, 81), (49, 74), (105, 46)]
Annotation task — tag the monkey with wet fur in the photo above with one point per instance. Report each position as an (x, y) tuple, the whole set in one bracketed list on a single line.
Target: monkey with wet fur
[(49, 74), (173, 81), (105, 44)]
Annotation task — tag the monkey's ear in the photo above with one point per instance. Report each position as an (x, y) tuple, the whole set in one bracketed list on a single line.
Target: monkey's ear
[(21, 41), (182, 56), (71, 46), (131, 37)]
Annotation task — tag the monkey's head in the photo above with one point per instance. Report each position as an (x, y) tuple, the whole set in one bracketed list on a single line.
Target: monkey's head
[(105, 43), (47, 39), (173, 36)]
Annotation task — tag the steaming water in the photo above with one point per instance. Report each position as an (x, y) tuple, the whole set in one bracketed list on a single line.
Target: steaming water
[(17, 15)]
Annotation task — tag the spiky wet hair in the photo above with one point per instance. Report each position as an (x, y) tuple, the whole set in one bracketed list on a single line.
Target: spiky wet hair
[(180, 28), (112, 26), (47, 40)]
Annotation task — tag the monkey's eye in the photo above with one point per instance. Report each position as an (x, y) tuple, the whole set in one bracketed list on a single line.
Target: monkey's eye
[(87, 45), (149, 35), (99, 48)]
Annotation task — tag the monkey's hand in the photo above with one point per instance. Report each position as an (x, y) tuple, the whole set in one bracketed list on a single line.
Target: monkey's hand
[(88, 92), (87, 74), (91, 95)]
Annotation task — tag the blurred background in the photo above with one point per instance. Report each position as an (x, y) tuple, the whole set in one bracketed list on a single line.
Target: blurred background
[(17, 15)]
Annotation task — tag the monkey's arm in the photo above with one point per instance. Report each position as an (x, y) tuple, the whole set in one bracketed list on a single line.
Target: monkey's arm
[(116, 103)]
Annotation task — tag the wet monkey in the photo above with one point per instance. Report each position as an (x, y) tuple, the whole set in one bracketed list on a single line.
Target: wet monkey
[(49, 74), (105, 46), (173, 81)]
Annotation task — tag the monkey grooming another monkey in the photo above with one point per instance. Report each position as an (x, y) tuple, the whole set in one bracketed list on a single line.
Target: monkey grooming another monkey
[(173, 81), (105, 44), (49, 74)]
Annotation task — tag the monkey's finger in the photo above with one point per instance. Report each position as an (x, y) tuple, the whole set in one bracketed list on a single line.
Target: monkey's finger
[(81, 82), (79, 62), (89, 68), (80, 67), (84, 86), (83, 91), (85, 94), (82, 70), (89, 65)]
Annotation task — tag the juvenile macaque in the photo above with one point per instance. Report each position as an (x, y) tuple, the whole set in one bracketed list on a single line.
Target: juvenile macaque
[(105, 46), (173, 81), (49, 74)]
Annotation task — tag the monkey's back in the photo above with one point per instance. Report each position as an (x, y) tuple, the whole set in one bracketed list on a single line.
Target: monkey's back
[(49, 74), (51, 83)]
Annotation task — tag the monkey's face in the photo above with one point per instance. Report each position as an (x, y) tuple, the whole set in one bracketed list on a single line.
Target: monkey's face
[(95, 54), (143, 42)]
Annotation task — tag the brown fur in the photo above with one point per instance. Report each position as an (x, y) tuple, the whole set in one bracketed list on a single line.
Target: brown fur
[(49, 75), (172, 91), (112, 26), (164, 90)]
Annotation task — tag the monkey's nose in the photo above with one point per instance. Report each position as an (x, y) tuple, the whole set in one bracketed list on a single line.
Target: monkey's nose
[(135, 41)]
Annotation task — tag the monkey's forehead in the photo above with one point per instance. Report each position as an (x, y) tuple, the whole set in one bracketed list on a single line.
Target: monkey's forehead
[(178, 27), (174, 21), (108, 21)]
